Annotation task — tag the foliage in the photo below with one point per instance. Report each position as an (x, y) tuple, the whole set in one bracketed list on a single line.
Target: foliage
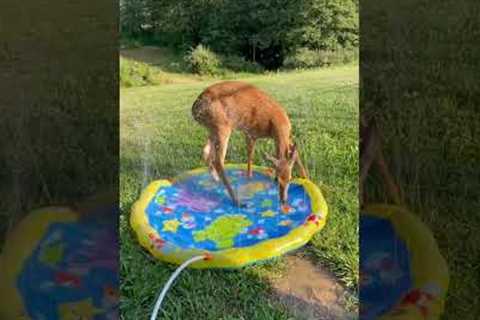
[(152, 65), (132, 16), (306, 58), (134, 74), (137, 74), (257, 30), (328, 24), (238, 64), (260, 31), (202, 61)]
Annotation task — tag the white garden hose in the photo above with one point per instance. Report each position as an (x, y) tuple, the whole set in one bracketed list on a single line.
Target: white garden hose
[(171, 280)]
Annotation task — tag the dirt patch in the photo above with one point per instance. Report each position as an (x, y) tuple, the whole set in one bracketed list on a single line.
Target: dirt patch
[(310, 292)]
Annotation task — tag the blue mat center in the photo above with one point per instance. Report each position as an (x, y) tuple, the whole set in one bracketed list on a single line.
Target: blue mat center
[(196, 212)]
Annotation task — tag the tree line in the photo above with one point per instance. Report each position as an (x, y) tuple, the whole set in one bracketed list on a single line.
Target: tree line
[(261, 31)]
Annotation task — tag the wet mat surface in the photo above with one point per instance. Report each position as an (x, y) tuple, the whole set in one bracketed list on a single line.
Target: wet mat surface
[(197, 212)]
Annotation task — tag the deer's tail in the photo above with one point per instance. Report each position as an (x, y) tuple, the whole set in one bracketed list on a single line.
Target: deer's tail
[(200, 109)]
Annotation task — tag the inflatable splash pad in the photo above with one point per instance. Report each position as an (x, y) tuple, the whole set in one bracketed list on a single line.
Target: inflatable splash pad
[(193, 215)]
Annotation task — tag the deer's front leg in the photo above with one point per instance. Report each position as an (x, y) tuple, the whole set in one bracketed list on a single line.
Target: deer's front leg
[(250, 152)]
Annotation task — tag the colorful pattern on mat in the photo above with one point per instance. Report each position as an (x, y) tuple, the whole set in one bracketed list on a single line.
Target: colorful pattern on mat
[(385, 275), (72, 274), (197, 212)]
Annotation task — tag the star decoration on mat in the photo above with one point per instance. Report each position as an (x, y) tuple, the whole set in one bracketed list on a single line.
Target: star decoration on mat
[(267, 203), (268, 213), (286, 209), (160, 199), (285, 223), (171, 225)]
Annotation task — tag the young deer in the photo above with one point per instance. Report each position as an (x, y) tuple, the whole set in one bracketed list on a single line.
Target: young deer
[(230, 105)]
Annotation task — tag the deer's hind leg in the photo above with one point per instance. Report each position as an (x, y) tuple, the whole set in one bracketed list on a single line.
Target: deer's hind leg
[(220, 138), (303, 171), (209, 157)]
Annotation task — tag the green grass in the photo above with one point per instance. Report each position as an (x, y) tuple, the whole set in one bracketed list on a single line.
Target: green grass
[(160, 139)]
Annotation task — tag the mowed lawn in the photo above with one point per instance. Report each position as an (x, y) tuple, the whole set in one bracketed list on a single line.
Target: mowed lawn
[(159, 139)]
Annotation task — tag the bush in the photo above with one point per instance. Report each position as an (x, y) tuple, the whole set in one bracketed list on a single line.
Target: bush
[(133, 74), (202, 61), (305, 58)]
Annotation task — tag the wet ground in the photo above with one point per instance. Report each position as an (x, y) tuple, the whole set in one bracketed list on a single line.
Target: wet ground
[(311, 292)]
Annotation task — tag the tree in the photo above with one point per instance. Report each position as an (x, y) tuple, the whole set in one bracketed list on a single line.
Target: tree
[(263, 31), (133, 14), (257, 30), (328, 24)]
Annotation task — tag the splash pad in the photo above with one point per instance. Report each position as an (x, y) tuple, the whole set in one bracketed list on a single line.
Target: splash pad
[(193, 215)]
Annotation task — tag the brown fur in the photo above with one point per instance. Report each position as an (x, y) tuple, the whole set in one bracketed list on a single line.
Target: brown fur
[(230, 105)]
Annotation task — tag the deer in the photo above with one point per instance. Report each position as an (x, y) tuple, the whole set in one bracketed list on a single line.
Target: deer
[(235, 105)]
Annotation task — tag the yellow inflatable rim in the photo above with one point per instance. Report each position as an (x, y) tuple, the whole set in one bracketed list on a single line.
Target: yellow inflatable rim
[(429, 268), (233, 257)]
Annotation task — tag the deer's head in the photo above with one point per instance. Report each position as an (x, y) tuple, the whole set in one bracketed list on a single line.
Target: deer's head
[(283, 171)]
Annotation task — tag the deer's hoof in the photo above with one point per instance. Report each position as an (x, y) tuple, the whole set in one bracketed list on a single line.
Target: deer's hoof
[(238, 204), (215, 176)]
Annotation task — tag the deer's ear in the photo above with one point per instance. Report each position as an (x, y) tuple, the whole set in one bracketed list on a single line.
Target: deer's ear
[(271, 158)]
